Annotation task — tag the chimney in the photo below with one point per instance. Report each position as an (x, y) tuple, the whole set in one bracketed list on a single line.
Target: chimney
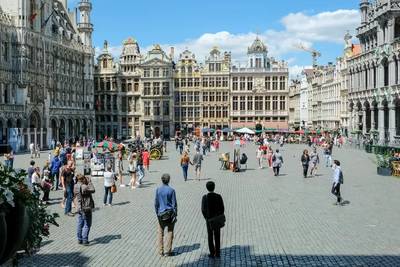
[(172, 53)]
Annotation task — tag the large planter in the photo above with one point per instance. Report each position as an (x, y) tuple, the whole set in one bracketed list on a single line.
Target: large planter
[(17, 229), (3, 233), (384, 171)]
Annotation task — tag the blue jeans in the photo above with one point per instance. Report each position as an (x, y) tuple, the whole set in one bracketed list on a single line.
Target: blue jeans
[(56, 179), (84, 221), (328, 160), (109, 194), (140, 173), (70, 195), (185, 171)]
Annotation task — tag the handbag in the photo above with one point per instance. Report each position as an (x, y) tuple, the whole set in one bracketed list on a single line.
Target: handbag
[(113, 188), (217, 222), (167, 216)]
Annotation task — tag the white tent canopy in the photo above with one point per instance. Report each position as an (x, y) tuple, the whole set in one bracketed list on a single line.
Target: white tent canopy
[(245, 130)]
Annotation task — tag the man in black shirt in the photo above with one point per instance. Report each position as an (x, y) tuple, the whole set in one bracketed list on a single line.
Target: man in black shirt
[(212, 206)]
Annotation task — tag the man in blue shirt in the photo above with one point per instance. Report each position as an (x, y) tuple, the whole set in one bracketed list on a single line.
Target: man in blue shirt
[(166, 210)]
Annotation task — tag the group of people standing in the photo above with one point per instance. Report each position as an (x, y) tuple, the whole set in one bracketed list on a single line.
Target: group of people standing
[(166, 209)]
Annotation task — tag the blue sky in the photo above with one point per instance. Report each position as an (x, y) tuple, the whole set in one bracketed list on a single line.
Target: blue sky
[(231, 25)]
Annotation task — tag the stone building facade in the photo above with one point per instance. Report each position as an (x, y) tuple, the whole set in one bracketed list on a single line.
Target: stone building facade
[(375, 72), (46, 80), (215, 90), (294, 105), (260, 91), (187, 104)]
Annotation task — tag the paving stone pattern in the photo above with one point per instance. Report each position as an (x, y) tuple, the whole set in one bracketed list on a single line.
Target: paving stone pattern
[(271, 221)]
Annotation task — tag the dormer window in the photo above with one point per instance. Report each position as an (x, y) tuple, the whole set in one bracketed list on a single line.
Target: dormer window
[(104, 63)]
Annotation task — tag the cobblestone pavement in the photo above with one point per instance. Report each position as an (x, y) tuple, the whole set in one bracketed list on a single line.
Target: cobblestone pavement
[(271, 221)]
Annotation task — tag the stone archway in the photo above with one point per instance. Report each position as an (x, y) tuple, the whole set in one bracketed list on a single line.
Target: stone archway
[(62, 131), (70, 128), (54, 129), (34, 120), (77, 128)]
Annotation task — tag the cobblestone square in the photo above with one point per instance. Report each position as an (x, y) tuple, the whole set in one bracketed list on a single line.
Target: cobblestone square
[(271, 221)]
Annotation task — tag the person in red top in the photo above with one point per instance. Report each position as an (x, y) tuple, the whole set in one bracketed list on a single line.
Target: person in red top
[(146, 159)]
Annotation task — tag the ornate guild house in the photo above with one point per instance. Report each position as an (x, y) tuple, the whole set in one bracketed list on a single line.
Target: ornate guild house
[(46, 72), (374, 93)]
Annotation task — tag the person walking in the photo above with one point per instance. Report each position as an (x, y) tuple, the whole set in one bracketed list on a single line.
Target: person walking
[(36, 181), (37, 151), (67, 181), (109, 181), (46, 185), (337, 181), (277, 161), (32, 149), (31, 170), (146, 159), (140, 169), (212, 208), (314, 161), (55, 172), (120, 168), (197, 160), (185, 160), (259, 156), (269, 155), (305, 162), (133, 170), (83, 191), (166, 209)]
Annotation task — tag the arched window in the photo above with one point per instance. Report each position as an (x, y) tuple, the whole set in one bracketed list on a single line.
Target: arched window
[(104, 63)]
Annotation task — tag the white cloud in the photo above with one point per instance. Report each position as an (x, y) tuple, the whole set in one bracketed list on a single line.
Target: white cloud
[(329, 27), (325, 26)]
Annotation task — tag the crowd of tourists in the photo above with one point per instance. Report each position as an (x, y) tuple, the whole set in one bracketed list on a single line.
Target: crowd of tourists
[(60, 172)]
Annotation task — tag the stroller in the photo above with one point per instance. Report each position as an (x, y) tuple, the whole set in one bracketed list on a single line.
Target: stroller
[(243, 160)]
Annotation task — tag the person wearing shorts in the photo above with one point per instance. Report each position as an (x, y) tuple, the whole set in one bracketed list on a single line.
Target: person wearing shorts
[(197, 160)]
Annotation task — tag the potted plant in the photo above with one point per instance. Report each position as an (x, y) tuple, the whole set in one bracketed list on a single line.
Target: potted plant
[(24, 219), (383, 165)]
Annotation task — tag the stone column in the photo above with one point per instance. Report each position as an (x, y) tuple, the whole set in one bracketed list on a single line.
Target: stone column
[(381, 124), (392, 70), (392, 122), (373, 122), (364, 120)]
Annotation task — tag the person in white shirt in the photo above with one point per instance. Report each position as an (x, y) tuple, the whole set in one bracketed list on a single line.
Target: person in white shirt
[(32, 149), (259, 156), (109, 181), (337, 181), (36, 181)]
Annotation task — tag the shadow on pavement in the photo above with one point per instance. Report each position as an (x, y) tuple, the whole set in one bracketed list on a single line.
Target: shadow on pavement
[(105, 239), (57, 259), (186, 248), (121, 203), (242, 256)]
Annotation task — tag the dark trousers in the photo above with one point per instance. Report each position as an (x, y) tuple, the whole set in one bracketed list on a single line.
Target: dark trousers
[(336, 191), (46, 194), (276, 171), (305, 170), (214, 240), (107, 194)]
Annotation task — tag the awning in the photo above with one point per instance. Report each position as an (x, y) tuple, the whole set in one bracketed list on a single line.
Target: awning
[(245, 131), (226, 130)]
